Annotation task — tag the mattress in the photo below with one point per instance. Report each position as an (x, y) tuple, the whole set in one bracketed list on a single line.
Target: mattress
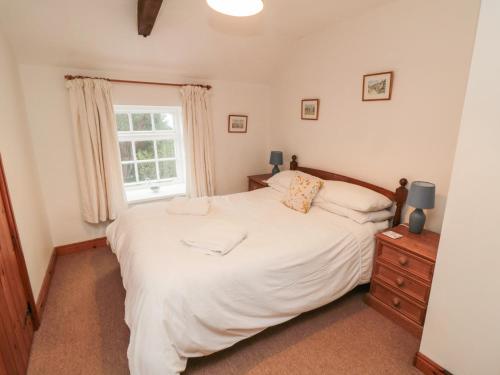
[(182, 303)]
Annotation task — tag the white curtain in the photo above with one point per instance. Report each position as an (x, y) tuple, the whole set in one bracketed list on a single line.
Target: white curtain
[(198, 135), (97, 151)]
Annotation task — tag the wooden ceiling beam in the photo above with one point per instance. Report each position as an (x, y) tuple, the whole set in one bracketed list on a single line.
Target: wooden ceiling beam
[(147, 11)]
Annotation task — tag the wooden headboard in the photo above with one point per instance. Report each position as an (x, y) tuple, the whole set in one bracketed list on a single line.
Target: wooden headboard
[(398, 196)]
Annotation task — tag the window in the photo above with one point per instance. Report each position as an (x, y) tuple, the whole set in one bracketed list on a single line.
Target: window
[(151, 151)]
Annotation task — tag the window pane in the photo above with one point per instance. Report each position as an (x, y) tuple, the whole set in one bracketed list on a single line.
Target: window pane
[(165, 148), (164, 121), (147, 171), (141, 121), (122, 122), (128, 171), (144, 150), (168, 169), (126, 151)]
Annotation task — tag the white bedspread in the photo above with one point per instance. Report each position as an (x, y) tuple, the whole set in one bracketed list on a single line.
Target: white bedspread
[(181, 303)]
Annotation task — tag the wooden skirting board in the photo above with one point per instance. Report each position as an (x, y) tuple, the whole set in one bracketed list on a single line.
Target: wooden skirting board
[(60, 251), (429, 367), (81, 246), (44, 290)]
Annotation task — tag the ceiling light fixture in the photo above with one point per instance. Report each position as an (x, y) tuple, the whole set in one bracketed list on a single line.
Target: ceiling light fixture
[(237, 8)]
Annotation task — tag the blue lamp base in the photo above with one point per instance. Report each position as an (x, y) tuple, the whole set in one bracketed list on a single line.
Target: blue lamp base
[(417, 221), (275, 170)]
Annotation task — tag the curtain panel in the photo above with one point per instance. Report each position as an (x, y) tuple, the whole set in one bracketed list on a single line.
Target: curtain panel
[(198, 136), (97, 151)]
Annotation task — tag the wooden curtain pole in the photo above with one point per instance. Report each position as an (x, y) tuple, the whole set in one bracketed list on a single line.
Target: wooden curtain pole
[(208, 87)]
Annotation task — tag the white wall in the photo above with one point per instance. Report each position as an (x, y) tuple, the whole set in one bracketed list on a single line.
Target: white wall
[(17, 155), (462, 329), (236, 155), (428, 45)]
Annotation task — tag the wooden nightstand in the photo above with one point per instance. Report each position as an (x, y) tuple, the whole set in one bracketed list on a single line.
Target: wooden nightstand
[(402, 277), (257, 181)]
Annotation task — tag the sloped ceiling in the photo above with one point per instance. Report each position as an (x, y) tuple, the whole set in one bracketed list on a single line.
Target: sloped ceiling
[(188, 38)]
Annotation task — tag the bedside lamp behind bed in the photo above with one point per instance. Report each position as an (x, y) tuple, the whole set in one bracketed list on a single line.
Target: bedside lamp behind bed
[(276, 159)]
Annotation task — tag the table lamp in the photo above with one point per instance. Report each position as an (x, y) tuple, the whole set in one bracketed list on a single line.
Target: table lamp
[(276, 159), (422, 195)]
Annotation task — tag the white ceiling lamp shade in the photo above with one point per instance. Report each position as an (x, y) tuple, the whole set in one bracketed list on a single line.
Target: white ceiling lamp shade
[(237, 8)]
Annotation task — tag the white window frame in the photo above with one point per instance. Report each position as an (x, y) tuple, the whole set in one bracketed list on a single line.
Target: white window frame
[(153, 135)]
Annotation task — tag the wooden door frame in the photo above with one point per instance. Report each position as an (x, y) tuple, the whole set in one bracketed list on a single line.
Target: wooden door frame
[(21, 263)]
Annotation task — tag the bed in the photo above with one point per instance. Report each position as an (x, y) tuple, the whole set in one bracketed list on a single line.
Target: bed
[(181, 303)]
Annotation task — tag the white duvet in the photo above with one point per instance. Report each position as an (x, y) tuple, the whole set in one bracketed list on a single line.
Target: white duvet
[(181, 303)]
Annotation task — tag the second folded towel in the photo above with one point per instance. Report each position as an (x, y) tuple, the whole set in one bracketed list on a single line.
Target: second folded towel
[(216, 237)]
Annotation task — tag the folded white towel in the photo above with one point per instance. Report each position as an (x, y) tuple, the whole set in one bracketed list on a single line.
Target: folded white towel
[(188, 206), (216, 237)]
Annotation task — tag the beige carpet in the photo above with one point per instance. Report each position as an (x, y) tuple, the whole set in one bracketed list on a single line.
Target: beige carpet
[(83, 332)]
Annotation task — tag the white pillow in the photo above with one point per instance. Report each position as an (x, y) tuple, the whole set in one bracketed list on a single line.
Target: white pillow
[(352, 196), (281, 181), (357, 216)]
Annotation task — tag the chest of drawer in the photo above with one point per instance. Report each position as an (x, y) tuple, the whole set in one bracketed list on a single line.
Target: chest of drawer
[(405, 261), (399, 303), (402, 282)]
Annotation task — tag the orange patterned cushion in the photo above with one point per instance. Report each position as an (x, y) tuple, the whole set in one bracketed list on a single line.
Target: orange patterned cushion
[(301, 193)]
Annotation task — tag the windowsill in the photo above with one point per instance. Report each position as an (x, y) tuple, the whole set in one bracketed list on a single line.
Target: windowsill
[(147, 195)]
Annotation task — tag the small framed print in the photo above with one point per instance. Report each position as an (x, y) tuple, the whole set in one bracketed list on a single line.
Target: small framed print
[(310, 109), (377, 86), (237, 124)]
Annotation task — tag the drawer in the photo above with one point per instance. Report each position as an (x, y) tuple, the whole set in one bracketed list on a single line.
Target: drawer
[(405, 261), (399, 303), (252, 185), (402, 282)]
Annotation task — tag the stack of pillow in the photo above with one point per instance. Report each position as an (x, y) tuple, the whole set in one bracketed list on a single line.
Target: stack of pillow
[(349, 200)]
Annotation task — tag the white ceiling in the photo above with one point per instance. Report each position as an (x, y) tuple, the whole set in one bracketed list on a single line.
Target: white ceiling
[(188, 38)]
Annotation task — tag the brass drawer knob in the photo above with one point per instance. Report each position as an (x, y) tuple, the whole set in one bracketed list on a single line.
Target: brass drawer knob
[(396, 302), (403, 260), (400, 282)]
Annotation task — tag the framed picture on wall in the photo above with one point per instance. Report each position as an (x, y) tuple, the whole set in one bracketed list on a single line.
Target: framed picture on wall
[(237, 124), (377, 86), (310, 109)]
